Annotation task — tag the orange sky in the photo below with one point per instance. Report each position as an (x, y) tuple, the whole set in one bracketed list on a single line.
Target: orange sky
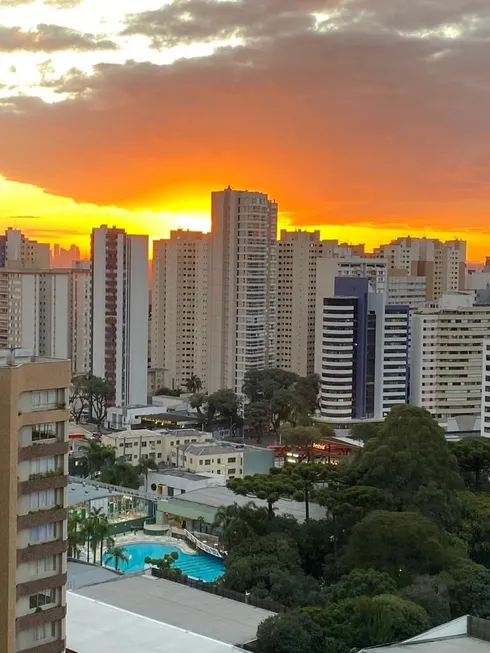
[(131, 112)]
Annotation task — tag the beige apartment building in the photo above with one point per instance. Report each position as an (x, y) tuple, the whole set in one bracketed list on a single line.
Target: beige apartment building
[(19, 252), (443, 264), (33, 512), (179, 324), (447, 357), (140, 444), (242, 300), (298, 252)]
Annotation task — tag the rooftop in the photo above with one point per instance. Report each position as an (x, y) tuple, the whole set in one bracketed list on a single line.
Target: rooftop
[(167, 603), (95, 627), (80, 492), (15, 357), (217, 496), (211, 449), (82, 574), (179, 473)]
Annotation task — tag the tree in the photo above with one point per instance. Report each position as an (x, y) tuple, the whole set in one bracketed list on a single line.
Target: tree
[(367, 621), (168, 392), (307, 389), (300, 480), (144, 466), (411, 459), (166, 563), (76, 537), (365, 430), (361, 582), (225, 403), (475, 525), (96, 456), (257, 418), (432, 594), (302, 438), (122, 474), (197, 401), (469, 590), (473, 456), (267, 487), (262, 384), (290, 633), (118, 555), (402, 544), (193, 384), (237, 523), (100, 394), (79, 400)]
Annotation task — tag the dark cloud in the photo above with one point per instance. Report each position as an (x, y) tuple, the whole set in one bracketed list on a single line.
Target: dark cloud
[(50, 38), (370, 119)]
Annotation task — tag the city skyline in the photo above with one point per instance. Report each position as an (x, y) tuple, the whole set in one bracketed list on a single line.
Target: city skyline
[(132, 114)]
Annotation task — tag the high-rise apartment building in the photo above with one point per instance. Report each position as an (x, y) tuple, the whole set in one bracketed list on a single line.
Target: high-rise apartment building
[(33, 510), (179, 325), (120, 308), (19, 252), (81, 317), (485, 404), (361, 351), (447, 354), (441, 263), (64, 258), (34, 311), (242, 287), (406, 290)]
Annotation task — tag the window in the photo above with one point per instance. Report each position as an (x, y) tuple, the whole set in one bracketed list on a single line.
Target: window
[(44, 597), (43, 566), (43, 399), (143, 444), (43, 500), (159, 455), (207, 461), (44, 631), (200, 462), (232, 460), (231, 471), (43, 465), (43, 431), (219, 461), (43, 533)]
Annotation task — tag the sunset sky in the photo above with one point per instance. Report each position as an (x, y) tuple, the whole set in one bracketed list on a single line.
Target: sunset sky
[(367, 119)]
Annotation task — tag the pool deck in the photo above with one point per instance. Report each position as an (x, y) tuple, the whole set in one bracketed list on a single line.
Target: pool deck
[(141, 538)]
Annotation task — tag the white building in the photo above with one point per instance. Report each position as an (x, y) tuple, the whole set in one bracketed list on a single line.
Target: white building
[(447, 357), (179, 326), (361, 351), (442, 264), (120, 307), (242, 287), (34, 311), (81, 317), (406, 290), (298, 252), (485, 408), (19, 252)]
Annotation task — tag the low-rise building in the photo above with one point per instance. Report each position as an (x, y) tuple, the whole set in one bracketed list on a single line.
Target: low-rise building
[(173, 482), (223, 458), (140, 444)]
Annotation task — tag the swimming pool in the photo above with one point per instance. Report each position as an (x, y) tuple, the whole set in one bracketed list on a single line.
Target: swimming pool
[(198, 565)]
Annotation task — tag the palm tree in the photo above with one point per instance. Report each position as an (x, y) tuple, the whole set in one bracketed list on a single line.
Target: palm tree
[(234, 522), (144, 467), (96, 456), (118, 554), (76, 537), (103, 534), (193, 384)]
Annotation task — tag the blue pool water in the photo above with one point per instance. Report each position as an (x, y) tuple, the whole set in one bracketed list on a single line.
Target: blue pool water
[(200, 565)]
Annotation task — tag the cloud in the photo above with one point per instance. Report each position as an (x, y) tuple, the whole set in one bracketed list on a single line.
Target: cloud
[(379, 114), (62, 4), (50, 38)]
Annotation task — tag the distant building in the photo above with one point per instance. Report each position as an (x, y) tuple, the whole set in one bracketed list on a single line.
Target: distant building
[(447, 356), (64, 258), (18, 252), (179, 327), (242, 300), (81, 317), (120, 309)]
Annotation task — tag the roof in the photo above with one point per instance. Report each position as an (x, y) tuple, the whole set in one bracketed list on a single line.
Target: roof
[(211, 449), (217, 496), (80, 493), (179, 473), (177, 606), (170, 417), (95, 627), (458, 644), (82, 574)]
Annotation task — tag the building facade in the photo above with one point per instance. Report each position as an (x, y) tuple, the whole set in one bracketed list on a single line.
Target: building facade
[(179, 325), (19, 252), (120, 309), (223, 459), (81, 317), (443, 264), (405, 290), (242, 300), (485, 404), (447, 357), (33, 478)]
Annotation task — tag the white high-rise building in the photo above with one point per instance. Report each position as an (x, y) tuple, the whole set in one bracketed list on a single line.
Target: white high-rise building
[(120, 305), (447, 355), (19, 252), (179, 326), (34, 311), (406, 290), (441, 263), (242, 287), (81, 317)]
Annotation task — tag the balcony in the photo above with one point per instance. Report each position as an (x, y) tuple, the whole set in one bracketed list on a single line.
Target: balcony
[(58, 646), (41, 550), (44, 449), (37, 618), (39, 517), (39, 482), (35, 586)]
